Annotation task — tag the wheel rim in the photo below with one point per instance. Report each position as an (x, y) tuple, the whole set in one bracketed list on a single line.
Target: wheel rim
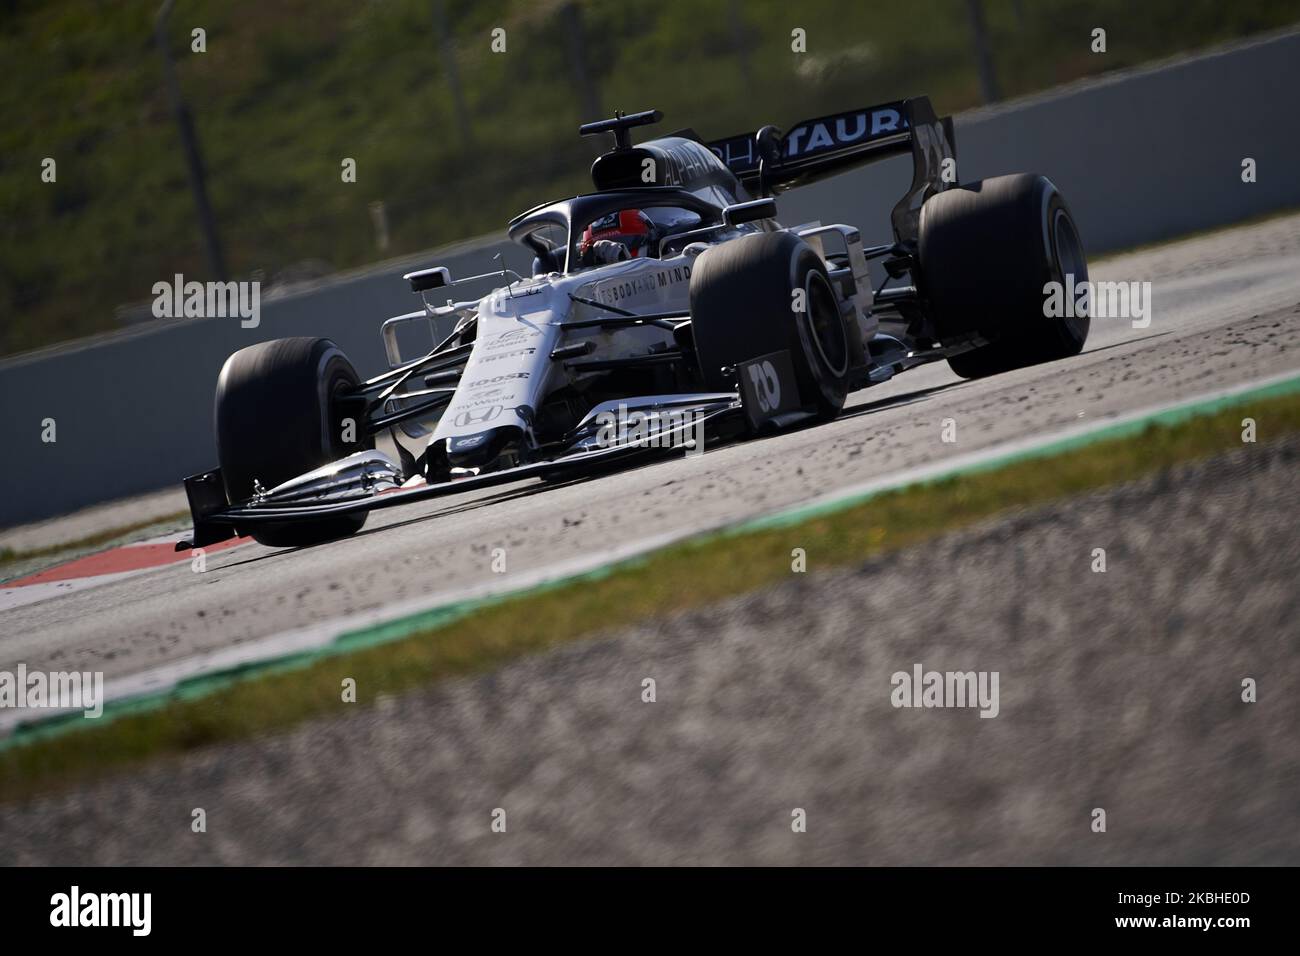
[(1070, 261), (825, 324)]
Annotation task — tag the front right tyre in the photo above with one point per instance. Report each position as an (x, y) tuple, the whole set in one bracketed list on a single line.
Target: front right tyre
[(744, 296), (277, 416)]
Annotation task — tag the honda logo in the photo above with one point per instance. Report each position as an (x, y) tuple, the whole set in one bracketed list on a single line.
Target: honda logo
[(478, 416)]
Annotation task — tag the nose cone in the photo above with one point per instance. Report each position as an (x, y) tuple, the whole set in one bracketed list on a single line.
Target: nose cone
[(481, 448)]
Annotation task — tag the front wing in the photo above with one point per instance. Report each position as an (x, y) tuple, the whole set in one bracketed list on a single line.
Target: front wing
[(216, 520)]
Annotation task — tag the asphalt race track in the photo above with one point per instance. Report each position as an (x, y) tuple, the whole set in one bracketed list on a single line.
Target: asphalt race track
[(773, 700), (1225, 312)]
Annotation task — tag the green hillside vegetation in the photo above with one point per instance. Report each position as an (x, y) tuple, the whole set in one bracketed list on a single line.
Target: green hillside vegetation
[(287, 89)]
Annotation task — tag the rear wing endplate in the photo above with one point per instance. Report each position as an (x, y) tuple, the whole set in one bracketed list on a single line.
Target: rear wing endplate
[(771, 161)]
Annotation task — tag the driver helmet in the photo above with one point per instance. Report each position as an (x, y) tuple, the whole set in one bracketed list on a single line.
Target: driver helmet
[(630, 228)]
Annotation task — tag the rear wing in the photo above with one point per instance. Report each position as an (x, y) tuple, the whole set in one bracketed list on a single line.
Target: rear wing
[(771, 161)]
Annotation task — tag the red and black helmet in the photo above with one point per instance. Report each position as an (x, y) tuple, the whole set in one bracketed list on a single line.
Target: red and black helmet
[(631, 228)]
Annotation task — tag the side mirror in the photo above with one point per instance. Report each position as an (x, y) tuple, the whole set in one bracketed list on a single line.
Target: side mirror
[(751, 211), (426, 279)]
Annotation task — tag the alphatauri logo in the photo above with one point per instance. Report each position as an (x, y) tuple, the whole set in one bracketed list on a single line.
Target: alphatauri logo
[(846, 129), (75, 908), (767, 385)]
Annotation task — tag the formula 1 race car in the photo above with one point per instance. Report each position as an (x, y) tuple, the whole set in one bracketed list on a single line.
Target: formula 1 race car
[(664, 309)]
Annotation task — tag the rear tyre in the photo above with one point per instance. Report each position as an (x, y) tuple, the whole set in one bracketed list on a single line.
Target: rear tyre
[(278, 416), (742, 306), (986, 252)]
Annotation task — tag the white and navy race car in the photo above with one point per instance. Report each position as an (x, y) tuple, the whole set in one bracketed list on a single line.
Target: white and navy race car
[(665, 309)]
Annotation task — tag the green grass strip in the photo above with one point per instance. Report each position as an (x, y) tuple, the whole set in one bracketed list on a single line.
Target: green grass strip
[(474, 637)]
